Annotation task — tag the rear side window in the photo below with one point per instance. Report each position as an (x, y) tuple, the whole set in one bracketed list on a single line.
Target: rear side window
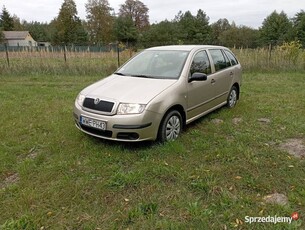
[(231, 57), (201, 63), (220, 61)]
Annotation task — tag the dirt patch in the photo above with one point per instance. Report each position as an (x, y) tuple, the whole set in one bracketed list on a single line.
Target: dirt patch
[(217, 121), (32, 153), (276, 198), (294, 147), (264, 120), (11, 179), (32, 156), (237, 120)]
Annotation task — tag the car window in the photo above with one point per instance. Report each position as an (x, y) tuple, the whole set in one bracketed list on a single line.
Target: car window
[(201, 63), (219, 59), (231, 57), (228, 63)]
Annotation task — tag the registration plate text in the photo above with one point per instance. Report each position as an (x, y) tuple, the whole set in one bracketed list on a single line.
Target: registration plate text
[(97, 124)]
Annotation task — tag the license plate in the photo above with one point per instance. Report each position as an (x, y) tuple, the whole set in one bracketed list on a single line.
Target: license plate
[(97, 124)]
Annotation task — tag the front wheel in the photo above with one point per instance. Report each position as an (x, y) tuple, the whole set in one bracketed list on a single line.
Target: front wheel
[(232, 98), (171, 126)]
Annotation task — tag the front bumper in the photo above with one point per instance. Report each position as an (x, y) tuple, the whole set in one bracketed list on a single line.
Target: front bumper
[(129, 128)]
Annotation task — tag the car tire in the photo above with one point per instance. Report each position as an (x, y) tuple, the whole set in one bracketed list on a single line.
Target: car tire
[(170, 127), (232, 97)]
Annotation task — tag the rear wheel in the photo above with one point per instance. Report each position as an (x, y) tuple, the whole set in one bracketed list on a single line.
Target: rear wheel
[(171, 126), (232, 98)]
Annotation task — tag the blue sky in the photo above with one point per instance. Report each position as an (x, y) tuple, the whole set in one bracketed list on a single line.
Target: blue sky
[(242, 12)]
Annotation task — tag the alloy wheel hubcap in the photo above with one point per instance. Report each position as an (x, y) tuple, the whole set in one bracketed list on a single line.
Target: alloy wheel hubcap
[(173, 128), (233, 98)]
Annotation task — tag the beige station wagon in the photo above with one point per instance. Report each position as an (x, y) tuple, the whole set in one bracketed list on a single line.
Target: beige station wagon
[(159, 91)]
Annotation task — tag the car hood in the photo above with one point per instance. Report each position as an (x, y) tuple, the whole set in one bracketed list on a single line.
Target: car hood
[(127, 89)]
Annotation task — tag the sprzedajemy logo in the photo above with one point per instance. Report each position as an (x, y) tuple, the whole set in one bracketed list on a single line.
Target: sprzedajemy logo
[(271, 219)]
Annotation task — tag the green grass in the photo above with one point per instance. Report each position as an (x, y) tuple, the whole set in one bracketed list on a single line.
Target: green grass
[(210, 178)]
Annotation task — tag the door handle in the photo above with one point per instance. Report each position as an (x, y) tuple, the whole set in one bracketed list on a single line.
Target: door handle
[(231, 74), (213, 81)]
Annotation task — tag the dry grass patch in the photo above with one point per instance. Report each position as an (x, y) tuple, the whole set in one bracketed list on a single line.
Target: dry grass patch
[(9, 180), (294, 147), (276, 198)]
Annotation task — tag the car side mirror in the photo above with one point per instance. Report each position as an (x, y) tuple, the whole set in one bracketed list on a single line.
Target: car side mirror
[(198, 77)]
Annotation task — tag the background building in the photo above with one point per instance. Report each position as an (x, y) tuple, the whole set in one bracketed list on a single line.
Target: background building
[(19, 38)]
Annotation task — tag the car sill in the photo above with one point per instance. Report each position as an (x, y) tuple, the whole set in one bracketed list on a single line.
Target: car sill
[(204, 113)]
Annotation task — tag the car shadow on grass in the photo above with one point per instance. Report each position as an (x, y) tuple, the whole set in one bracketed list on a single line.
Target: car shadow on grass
[(145, 145), (142, 145)]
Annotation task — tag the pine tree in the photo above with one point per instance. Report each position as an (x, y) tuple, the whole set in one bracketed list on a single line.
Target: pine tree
[(6, 20), (276, 29), (69, 28), (126, 31), (299, 27)]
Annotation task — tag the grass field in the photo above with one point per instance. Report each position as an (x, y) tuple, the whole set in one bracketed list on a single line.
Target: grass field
[(52, 176)]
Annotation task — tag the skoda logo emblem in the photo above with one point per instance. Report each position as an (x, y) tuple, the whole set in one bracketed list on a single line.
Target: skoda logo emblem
[(96, 101)]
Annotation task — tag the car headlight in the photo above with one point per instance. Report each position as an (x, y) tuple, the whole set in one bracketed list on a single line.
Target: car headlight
[(126, 108), (80, 99)]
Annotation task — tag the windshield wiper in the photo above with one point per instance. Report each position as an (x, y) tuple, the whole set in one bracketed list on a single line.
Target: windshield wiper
[(142, 75), (134, 75), (118, 73)]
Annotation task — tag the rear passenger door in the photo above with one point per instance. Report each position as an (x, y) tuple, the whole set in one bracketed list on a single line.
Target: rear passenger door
[(223, 74), (236, 68)]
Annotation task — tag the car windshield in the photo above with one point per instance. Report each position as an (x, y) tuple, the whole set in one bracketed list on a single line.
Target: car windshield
[(160, 64)]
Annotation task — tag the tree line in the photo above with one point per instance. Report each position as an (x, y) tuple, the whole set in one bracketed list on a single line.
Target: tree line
[(131, 26)]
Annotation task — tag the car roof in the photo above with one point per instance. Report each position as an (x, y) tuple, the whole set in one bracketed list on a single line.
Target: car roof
[(186, 47)]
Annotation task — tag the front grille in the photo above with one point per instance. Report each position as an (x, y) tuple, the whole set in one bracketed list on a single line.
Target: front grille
[(102, 106)]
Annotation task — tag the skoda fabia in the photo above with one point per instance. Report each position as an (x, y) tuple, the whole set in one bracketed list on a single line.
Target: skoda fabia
[(159, 91)]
